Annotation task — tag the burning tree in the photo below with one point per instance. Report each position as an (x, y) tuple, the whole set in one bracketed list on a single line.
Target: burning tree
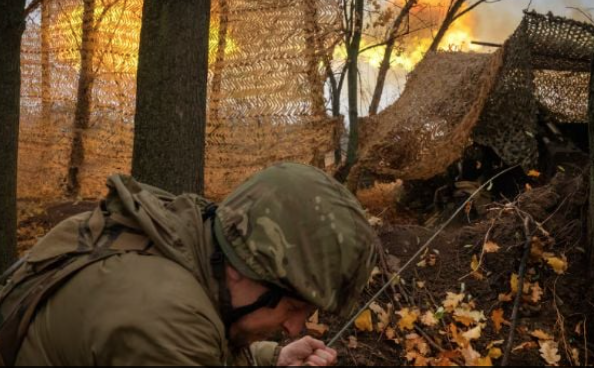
[(387, 35)]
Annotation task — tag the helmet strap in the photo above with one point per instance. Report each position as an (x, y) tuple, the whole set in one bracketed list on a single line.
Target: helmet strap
[(270, 299)]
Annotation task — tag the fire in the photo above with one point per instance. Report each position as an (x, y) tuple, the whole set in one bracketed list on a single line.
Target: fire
[(118, 36), (458, 38)]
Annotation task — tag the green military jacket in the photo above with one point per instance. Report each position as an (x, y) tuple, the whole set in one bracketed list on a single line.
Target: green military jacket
[(154, 301)]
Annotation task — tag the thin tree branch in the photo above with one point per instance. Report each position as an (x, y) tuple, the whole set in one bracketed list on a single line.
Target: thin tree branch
[(583, 12), (32, 7), (473, 6)]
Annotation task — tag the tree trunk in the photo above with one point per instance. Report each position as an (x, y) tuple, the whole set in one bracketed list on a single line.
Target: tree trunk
[(591, 204), (82, 114), (171, 96), (12, 26), (385, 65), (353, 89), (447, 23), (312, 55)]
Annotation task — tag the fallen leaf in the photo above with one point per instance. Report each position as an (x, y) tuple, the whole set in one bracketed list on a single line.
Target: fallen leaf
[(495, 353), (452, 301), (469, 318), (498, 319), (514, 281), (429, 319), (421, 284), (314, 328), (484, 362), (408, 319), (541, 335), (375, 221), (491, 247), (549, 351), (559, 265), (575, 356), (390, 333), (457, 337), (525, 346), (537, 250), (473, 334), (412, 355), (443, 362), (382, 315), (495, 343), (421, 361), (475, 265), (375, 272), (353, 344), (537, 293), (364, 322), (432, 261), (534, 174), (468, 208), (506, 297), (579, 328), (477, 275), (471, 356), (416, 342)]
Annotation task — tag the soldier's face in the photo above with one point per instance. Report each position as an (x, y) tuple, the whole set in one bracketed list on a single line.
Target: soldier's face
[(288, 317)]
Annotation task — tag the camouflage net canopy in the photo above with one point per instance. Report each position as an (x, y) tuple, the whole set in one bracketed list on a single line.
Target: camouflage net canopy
[(266, 99), (428, 127), (452, 100)]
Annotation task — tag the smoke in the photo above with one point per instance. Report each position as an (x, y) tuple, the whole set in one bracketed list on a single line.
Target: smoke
[(497, 21)]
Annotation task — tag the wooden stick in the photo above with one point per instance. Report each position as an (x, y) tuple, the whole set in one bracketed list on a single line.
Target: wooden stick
[(515, 314)]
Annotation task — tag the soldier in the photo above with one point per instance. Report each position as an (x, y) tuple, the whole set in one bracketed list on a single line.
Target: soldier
[(149, 278)]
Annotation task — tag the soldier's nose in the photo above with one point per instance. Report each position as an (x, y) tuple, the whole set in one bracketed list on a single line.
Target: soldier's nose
[(294, 326)]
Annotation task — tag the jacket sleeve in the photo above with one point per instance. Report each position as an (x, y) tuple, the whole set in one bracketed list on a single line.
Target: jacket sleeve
[(165, 320), (265, 354)]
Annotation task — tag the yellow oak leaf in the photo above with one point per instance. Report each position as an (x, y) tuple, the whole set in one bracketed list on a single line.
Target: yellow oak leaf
[(408, 319), (364, 322)]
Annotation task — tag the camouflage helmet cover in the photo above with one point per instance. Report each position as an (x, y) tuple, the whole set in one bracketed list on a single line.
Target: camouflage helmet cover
[(296, 227)]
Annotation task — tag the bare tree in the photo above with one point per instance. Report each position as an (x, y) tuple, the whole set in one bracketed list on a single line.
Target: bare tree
[(12, 25), (385, 65), (591, 142), (353, 42), (456, 10), (170, 124), (86, 81)]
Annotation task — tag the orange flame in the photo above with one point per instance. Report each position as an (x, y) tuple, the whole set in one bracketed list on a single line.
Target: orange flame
[(458, 38), (118, 40)]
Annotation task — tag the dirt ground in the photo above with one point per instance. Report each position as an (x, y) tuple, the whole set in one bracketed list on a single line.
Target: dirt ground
[(561, 308)]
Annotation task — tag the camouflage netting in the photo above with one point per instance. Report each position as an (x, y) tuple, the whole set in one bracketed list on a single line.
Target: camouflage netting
[(452, 100), (265, 91), (428, 127), (547, 66)]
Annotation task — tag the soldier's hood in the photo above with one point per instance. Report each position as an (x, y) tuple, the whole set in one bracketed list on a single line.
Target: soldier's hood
[(174, 224)]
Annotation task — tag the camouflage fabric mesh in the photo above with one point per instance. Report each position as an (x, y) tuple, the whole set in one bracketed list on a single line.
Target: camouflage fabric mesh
[(266, 98), (452, 100)]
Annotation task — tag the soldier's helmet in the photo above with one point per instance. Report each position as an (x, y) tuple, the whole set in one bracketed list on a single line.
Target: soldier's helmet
[(296, 227)]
